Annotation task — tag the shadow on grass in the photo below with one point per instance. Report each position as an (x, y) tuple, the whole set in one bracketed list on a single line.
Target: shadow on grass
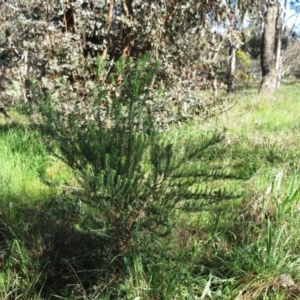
[(62, 257)]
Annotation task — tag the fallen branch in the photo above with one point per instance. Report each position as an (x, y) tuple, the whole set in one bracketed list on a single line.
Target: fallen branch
[(3, 111)]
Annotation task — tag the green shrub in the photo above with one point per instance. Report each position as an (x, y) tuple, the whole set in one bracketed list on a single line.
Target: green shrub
[(131, 176)]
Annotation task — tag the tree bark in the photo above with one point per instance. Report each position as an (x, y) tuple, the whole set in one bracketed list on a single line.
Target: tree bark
[(128, 39), (278, 66), (108, 25), (279, 51), (232, 52), (269, 48), (232, 67)]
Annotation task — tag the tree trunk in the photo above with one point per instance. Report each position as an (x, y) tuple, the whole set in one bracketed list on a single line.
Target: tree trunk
[(269, 48), (279, 52), (232, 53), (279, 60), (232, 67)]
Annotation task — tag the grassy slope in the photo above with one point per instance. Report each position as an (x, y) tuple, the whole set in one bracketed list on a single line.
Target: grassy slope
[(259, 233), (243, 249), (250, 245)]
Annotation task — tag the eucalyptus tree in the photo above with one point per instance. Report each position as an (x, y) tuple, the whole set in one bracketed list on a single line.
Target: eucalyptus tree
[(275, 39), (233, 26), (269, 57), (54, 46), (236, 38), (291, 44)]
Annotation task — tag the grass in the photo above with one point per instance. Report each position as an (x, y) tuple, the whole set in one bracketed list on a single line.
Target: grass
[(247, 248)]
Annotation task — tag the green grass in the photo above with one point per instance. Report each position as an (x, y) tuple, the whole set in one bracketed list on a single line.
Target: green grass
[(247, 248), (22, 155), (23, 158)]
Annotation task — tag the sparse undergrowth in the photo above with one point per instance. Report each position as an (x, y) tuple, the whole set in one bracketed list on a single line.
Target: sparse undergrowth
[(246, 248)]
